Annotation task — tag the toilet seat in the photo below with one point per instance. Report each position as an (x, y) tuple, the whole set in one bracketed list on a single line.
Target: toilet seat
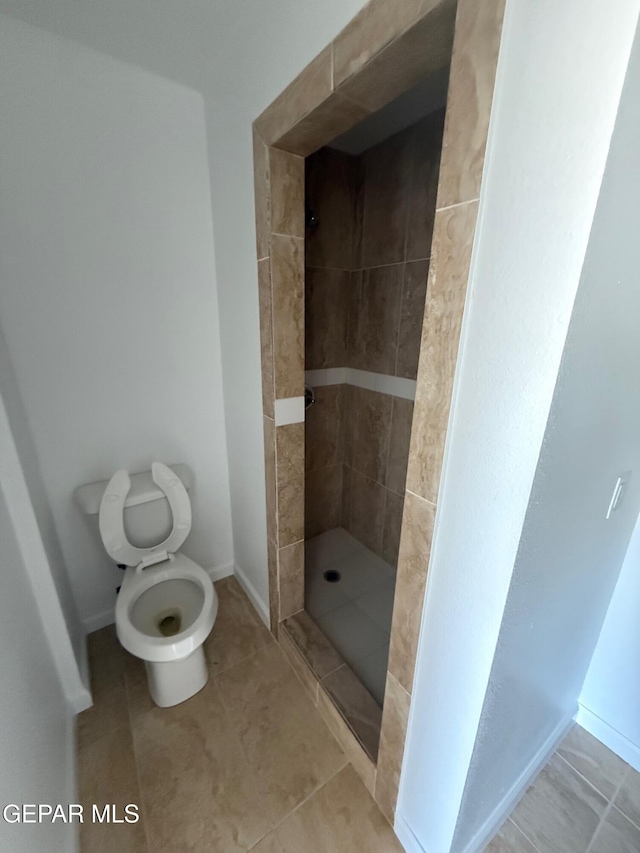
[(111, 518)]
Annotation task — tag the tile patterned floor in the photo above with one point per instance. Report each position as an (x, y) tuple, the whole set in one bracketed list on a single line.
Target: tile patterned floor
[(585, 800), (355, 613), (245, 765)]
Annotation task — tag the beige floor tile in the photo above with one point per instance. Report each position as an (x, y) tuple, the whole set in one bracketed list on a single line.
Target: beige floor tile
[(341, 817), (198, 790), (269, 844), (287, 744), (593, 760), (106, 716), (510, 840), (616, 835), (238, 631), (560, 812), (628, 799), (106, 661), (107, 775)]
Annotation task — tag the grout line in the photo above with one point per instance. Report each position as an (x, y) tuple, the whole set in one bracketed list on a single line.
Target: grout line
[(289, 236), (426, 500), (457, 204), (584, 778), (605, 813), (624, 815), (265, 258), (322, 785), (522, 833)]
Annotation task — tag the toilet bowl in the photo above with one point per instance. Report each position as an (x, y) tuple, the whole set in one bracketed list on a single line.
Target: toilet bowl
[(167, 604)]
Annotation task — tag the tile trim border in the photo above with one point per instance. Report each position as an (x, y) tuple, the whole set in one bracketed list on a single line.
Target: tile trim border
[(383, 383), (289, 410)]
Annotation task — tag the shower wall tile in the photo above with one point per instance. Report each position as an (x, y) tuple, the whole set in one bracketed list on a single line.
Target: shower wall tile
[(387, 172), (290, 483), (330, 192), (422, 189), (395, 716), (269, 428), (274, 592), (261, 191), (366, 515), (326, 314), (414, 294), (287, 284), (471, 83), (266, 336), (323, 500), (448, 274), (287, 193), (392, 526), (304, 94), (413, 561), (324, 432), (368, 424), (374, 320), (291, 579), (400, 437)]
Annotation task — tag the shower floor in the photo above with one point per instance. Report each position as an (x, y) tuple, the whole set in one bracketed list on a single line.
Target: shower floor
[(354, 612)]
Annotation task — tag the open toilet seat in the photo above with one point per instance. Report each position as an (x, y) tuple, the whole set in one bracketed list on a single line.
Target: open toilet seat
[(111, 518)]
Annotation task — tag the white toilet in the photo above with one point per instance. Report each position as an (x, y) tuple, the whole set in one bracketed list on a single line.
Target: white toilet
[(167, 604)]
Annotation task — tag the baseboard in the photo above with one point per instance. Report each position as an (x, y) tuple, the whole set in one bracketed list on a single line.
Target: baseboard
[(406, 837), (511, 798), (248, 587), (108, 617), (610, 737)]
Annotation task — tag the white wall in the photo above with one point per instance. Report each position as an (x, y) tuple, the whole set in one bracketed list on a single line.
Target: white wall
[(239, 56), (108, 297), (610, 697), (559, 79), (36, 724), (570, 554)]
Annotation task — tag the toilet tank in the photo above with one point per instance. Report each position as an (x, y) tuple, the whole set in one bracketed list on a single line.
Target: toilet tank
[(147, 517)]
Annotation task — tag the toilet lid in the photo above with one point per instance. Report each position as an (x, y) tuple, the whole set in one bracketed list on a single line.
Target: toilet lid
[(111, 517)]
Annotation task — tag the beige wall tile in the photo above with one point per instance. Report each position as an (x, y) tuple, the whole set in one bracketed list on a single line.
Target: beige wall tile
[(471, 83), (414, 294), (291, 579), (393, 507), (339, 818), (312, 644), (290, 480), (324, 429), (400, 437), (274, 598), (238, 631), (330, 192), (326, 314), (413, 563), (366, 516), (423, 188), (394, 729), (345, 509), (357, 706), (387, 174), (286, 179), (323, 500), (375, 26), (266, 335), (423, 49), (288, 747), (448, 275), (199, 792), (368, 425), (374, 336), (310, 88), (299, 665), (269, 428), (261, 191), (329, 119), (363, 765), (287, 287), (269, 844)]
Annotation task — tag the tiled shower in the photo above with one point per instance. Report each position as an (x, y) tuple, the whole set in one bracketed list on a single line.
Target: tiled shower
[(368, 239)]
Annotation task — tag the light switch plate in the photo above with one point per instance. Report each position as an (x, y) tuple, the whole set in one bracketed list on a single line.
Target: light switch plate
[(618, 492)]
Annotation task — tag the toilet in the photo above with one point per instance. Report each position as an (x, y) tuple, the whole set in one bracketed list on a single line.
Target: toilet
[(167, 604)]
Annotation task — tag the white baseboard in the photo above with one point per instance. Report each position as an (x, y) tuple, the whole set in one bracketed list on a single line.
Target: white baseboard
[(406, 837), (610, 737), (108, 617), (511, 798), (248, 587)]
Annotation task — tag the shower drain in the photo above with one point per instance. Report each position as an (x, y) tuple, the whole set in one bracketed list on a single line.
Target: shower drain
[(332, 576)]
